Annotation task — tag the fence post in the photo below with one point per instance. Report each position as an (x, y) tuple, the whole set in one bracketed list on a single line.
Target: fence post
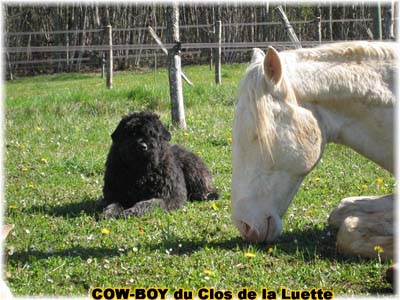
[(103, 65), (330, 22), (217, 52), (109, 56), (377, 24), (318, 21), (211, 59), (290, 30), (10, 71), (389, 23), (174, 72)]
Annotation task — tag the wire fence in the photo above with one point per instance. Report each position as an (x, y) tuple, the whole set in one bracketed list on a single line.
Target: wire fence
[(183, 27), (63, 56)]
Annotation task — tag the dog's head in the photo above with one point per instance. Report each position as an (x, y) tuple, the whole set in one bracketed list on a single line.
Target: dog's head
[(140, 135)]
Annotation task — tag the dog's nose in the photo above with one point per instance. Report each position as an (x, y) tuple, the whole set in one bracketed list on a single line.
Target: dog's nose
[(143, 146)]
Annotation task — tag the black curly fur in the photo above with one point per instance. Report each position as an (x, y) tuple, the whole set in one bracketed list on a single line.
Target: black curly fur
[(144, 171)]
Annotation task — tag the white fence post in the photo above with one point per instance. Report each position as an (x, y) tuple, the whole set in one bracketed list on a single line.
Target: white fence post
[(109, 58), (218, 51), (175, 73)]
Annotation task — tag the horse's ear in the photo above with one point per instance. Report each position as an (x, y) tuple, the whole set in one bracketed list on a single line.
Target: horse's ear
[(273, 66)]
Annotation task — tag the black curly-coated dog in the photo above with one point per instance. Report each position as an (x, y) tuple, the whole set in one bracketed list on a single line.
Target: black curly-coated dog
[(144, 171)]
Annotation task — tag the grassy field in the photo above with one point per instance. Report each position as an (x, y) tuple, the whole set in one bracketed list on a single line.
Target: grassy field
[(57, 137)]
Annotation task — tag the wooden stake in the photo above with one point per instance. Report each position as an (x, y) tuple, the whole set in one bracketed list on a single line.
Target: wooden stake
[(377, 21), (109, 58), (175, 74), (290, 30), (218, 51)]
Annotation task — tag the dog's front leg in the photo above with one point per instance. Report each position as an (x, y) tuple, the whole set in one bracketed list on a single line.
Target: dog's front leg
[(113, 210), (142, 207)]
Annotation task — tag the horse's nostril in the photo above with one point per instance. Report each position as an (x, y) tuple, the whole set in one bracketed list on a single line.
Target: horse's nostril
[(251, 234)]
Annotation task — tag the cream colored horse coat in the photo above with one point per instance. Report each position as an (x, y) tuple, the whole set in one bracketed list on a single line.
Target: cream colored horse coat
[(291, 104)]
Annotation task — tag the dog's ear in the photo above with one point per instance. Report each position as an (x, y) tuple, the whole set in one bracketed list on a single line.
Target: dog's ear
[(165, 134), (117, 134)]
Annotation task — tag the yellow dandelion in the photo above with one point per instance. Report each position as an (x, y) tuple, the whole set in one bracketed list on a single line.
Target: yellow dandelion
[(378, 249), (24, 169), (105, 231), (379, 180), (364, 186), (270, 250), (31, 185), (249, 254), (43, 161), (207, 272), (214, 206), (229, 140)]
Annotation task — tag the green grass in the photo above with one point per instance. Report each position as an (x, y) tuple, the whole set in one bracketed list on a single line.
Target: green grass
[(57, 137)]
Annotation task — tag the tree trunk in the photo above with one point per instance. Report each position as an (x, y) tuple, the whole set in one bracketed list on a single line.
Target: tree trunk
[(175, 78)]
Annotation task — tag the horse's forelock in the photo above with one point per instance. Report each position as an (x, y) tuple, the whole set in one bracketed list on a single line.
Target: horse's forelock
[(256, 92)]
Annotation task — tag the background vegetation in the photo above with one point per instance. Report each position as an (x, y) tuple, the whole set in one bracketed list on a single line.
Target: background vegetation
[(57, 137), (33, 26)]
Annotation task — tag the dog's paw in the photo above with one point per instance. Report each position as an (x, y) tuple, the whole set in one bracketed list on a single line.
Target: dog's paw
[(101, 203), (132, 212), (213, 195), (143, 207), (113, 210)]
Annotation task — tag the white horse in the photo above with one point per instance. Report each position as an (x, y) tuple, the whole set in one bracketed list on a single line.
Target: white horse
[(291, 104)]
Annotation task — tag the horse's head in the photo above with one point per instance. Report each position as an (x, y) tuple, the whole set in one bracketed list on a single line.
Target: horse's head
[(276, 143)]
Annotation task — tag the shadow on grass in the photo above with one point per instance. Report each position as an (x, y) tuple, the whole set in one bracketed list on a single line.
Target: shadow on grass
[(83, 253), (87, 206), (311, 244), (182, 247), (307, 245)]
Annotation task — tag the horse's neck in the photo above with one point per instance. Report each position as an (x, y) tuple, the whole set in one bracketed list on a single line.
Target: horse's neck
[(369, 131), (357, 115)]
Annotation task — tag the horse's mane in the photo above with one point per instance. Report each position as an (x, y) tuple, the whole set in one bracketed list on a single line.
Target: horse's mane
[(255, 88), (350, 51)]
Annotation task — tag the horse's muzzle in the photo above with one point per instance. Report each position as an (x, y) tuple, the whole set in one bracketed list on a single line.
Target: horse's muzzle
[(254, 235)]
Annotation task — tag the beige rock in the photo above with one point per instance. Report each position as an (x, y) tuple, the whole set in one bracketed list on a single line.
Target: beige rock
[(360, 205), (365, 226), (5, 293)]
